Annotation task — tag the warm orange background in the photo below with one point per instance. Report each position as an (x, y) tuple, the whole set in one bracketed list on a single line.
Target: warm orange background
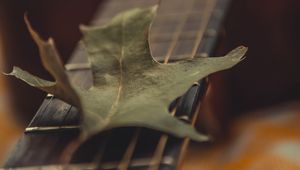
[(9, 131), (266, 139)]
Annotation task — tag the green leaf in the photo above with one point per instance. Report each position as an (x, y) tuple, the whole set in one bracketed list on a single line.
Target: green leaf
[(130, 87)]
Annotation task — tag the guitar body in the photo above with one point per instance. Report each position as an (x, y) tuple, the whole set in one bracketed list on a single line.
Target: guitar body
[(180, 31)]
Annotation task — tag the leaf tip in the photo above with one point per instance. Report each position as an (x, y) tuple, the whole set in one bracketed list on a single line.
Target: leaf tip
[(51, 42), (11, 73), (32, 32), (26, 19), (84, 28), (203, 138), (238, 54), (6, 74), (243, 49)]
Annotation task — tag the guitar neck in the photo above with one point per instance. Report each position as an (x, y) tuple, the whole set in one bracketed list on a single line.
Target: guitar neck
[(182, 29)]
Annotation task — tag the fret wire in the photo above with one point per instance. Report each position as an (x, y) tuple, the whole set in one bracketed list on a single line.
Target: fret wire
[(125, 162), (78, 66), (207, 14), (170, 14), (158, 154), (137, 163), (49, 128), (36, 128), (187, 35), (39, 110), (177, 34)]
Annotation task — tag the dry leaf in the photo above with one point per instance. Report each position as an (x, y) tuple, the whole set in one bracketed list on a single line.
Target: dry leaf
[(130, 87)]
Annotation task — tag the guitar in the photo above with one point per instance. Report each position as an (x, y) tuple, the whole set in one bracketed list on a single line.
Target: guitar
[(181, 29)]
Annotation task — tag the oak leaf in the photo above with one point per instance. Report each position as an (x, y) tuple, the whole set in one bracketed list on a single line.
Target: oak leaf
[(130, 87)]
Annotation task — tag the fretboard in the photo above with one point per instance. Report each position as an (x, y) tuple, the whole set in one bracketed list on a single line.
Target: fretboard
[(182, 29), (179, 28)]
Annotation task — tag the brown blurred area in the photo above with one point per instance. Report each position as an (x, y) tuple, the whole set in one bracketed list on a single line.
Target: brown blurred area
[(264, 139), (257, 113), (58, 19), (55, 18), (269, 75)]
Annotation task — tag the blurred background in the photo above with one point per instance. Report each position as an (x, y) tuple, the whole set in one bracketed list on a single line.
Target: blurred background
[(55, 18), (267, 78)]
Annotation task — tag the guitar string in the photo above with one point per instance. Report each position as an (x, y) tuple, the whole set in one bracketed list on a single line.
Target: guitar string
[(100, 153), (183, 151), (155, 163), (186, 141), (164, 138), (52, 98), (97, 160), (207, 14), (177, 32), (125, 162), (39, 110), (158, 154), (198, 40), (129, 152), (127, 157)]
